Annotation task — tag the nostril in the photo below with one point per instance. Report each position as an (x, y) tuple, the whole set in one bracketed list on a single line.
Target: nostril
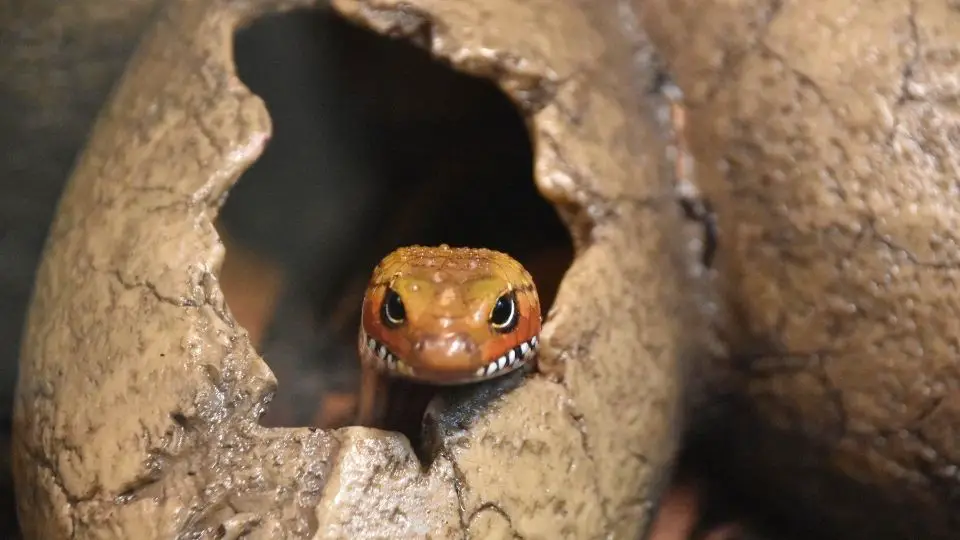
[(469, 346)]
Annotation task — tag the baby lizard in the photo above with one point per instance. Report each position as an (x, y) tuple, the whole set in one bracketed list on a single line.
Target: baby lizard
[(444, 316)]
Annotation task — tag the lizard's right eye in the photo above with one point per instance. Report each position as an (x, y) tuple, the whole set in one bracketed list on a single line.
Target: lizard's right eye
[(392, 312), (504, 314)]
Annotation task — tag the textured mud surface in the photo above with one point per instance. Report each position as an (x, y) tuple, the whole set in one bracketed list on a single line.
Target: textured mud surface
[(824, 135), (137, 406)]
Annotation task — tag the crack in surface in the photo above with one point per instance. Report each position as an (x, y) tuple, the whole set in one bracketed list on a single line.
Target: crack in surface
[(912, 257), (805, 81), (580, 425), (907, 73), (459, 482), (906, 77), (152, 289), (732, 61), (39, 457), (206, 294), (62, 445), (494, 507)]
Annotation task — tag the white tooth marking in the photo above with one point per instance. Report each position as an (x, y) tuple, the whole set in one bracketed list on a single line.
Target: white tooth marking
[(491, 368), (502, 362), (512, 355), (524, 348), (382, 352), (534, 341), (481, 372), (371, 344)]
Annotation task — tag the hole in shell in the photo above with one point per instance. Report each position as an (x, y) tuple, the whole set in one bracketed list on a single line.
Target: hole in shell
[(376, 145)]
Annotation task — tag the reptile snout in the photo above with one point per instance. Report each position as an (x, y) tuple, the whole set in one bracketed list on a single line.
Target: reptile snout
[(450, 352)]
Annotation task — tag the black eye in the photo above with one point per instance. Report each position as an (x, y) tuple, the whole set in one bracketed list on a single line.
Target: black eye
[(392, 311), (504, 316)]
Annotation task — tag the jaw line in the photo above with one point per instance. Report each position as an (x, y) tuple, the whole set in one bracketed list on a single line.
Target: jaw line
[(460, 377), (388, 363)]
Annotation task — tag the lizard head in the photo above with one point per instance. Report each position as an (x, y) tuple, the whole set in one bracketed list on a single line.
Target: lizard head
[(449, 315)]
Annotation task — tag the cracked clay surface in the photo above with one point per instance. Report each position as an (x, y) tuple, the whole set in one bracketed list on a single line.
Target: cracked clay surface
[(825, 135), (138, 398), (824, 139)]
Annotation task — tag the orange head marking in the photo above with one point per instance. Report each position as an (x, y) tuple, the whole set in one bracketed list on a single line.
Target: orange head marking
[(449, 315)]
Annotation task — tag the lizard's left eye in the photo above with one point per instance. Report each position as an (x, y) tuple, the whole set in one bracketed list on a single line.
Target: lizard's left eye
[(504, 316), (392, 312)]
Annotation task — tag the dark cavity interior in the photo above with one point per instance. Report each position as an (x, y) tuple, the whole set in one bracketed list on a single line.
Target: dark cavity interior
[(376, 145)]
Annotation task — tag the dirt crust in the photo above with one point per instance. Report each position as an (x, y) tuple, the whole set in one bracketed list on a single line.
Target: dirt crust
[(825, 135), (138, 398)]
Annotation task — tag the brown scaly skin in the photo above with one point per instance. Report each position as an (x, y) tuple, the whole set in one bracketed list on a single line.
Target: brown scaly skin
[(431, 315)]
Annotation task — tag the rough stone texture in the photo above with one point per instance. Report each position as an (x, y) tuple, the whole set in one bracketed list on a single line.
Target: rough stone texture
[(57, 64), (825, 135), (138, 394)]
